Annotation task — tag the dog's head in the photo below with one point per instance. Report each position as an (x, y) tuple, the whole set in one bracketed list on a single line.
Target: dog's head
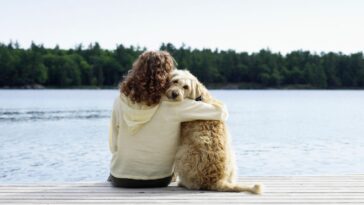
[(185, 85)]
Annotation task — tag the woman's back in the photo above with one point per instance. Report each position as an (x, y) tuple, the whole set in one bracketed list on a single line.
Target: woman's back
[(144, 139)]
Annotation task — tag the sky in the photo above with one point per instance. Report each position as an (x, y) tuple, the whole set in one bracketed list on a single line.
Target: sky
[(242, 25)]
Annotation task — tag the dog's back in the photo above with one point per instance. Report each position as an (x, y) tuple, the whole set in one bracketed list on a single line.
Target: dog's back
[(204, 159), (202, 156)]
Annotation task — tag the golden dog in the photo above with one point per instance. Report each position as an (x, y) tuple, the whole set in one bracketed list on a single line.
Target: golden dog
[(204, 159)]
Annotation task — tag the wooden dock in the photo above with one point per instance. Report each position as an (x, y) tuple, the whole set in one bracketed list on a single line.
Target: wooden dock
[(278, 190)]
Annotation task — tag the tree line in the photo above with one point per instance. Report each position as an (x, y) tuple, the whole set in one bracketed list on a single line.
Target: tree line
[(97, 67)]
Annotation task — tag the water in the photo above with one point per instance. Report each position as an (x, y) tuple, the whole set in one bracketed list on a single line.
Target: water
[(61, 135)]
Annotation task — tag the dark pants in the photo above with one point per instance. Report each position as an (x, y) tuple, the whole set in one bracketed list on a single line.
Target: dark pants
[(136, 183)]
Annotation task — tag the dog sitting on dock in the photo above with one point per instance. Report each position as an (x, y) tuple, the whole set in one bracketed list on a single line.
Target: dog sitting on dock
[(204, 160)]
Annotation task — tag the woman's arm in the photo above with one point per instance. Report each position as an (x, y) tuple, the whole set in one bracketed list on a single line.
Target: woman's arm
[(114, 126), (190, 110)]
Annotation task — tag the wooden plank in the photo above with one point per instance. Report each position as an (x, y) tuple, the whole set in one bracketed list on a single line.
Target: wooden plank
[(178, 198), (291, 182), (278, 190), (189, 202), (192, 201)]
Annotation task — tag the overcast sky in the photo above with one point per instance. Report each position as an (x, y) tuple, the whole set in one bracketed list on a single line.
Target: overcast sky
[(243, 25)]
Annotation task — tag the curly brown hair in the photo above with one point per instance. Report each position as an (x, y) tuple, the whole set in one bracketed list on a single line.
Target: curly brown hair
[(148, 80)]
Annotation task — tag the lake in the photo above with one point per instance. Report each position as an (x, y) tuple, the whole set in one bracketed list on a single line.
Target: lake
[(62, 135)]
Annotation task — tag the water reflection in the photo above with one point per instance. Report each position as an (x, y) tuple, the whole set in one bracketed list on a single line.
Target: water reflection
[(16, 116)]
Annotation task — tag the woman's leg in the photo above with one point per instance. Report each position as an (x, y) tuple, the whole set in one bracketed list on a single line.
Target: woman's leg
[(136, 183)]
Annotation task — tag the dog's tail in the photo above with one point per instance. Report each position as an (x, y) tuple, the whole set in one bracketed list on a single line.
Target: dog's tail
[(231, 187)]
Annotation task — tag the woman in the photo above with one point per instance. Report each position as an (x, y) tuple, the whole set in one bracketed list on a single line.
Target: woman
[(145, 126)]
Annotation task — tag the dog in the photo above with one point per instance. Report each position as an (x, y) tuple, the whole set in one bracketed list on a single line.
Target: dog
[(204, 160)]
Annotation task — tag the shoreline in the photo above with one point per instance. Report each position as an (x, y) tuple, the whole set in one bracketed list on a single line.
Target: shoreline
[(214, 86), (210, 88)]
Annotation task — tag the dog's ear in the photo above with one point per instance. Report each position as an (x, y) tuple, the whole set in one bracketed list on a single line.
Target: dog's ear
[(201, 92), (194, 92)]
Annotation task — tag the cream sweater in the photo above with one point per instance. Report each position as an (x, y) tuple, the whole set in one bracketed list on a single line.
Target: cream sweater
[(143, 140)]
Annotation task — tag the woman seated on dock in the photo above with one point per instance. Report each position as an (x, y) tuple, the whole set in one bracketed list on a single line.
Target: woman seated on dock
[(145, 126)]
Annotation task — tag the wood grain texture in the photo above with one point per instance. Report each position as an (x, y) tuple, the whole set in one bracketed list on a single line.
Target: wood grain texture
[(277, 190)]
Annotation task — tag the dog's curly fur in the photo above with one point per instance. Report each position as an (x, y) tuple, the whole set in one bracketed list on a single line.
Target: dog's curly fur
[(148, 80), (204, 159)]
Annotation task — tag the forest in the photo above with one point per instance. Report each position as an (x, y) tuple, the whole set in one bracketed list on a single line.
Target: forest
[(95, 67)]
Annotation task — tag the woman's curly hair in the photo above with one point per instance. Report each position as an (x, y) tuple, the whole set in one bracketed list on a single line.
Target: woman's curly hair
[(148, 80)]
